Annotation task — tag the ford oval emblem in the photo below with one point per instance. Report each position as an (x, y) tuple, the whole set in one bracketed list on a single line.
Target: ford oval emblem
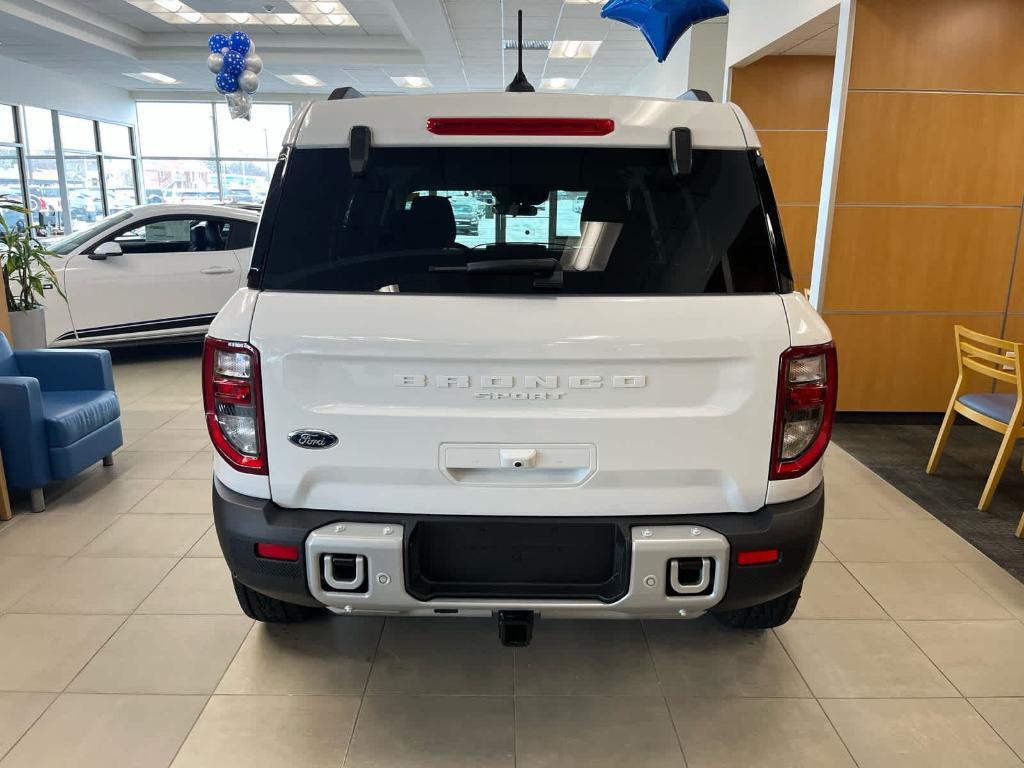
[(313, 438)]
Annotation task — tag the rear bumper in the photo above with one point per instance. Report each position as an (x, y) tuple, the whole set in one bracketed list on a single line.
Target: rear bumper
[(649, 543)]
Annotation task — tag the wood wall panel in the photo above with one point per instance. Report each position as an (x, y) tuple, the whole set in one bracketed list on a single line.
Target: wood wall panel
[(967, 45), (899, 362), (795, 161), (5, 321), (926, 259), (785, 92), (1014, 328), (1016, 303), (932, 148), (799, 224)]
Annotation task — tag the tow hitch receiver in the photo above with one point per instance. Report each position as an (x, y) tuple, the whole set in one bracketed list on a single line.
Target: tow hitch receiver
[(515, 628)]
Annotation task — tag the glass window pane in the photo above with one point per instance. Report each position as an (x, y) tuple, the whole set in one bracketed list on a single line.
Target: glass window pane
[(39, 127), (176, 129), (44, 192), (10, 186), (76, 133), (259, 137), (246, 181), (186, 181), (120, 180), (115, 139), (7, 132), (84, 195)]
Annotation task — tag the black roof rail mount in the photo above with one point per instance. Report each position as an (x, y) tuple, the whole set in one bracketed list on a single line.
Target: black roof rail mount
[(347, 92), (695, 94)]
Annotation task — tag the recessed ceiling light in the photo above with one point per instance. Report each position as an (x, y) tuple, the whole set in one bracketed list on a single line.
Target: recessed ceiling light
[(528, 45), (412, 81), (342, 20), (574, 49), (325, 7), (171, 5), (192, 17), (288, 18), (241, 18), (301, 79), (153, 77), (559, 83)]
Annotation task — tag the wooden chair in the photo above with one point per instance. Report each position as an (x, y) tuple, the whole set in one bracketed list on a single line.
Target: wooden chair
[(996, 359)]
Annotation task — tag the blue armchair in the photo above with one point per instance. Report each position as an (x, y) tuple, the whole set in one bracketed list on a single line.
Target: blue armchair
[(58, 414)]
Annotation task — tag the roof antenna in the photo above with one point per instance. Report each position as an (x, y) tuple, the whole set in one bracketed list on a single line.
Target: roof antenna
[(519, 83)]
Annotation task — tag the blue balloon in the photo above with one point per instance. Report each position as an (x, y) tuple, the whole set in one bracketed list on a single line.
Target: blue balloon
[(663, 22), (240, 42), (227, 83), (234, 63), (219, 42)]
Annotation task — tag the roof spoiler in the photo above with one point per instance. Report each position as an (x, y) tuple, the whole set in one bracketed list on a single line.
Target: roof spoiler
[(348, 92), (695, 94)]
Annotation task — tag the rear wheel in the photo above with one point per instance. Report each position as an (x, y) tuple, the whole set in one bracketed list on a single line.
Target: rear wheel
[(269, 609), (773, 613)]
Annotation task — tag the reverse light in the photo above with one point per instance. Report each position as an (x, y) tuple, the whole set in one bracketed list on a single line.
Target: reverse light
[(231, 398), (520, 126), (805, 408)]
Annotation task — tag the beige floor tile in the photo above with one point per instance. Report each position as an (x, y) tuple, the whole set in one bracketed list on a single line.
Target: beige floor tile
[(1007, 591), (190, 418), (146, 418), (166, 439), (982, 658), (331, 655), (199, 467), (149, 535), (1006, 716), (875, 500), (43, 652), (101, 731), (926, 591), (103, 495), (433, 732), (156, 465), (701, 658), (197, 585), (895, 541), (442, 656), (842, 468), (96, 585), (17, 713), (207, 546), (823, 555), (20, 574), (270, 732), (178, 495), (595, 731), (860, 659), (131, 436), (52, 534), (830, 592), (737, 733), (918, 733), (585, 657), (165, 654)]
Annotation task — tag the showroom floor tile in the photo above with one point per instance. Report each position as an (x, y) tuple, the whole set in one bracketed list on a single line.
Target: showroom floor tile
[(124, 645)]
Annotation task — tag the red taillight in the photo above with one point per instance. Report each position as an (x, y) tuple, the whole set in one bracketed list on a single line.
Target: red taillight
[(278, 552), (805, 408), (757, 557), (520, 126), (232, 400)]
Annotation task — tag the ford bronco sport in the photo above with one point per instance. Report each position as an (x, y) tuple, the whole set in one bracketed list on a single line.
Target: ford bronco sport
[(614, 409)]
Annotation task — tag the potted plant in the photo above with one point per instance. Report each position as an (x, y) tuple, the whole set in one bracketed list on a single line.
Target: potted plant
[(25, 271)]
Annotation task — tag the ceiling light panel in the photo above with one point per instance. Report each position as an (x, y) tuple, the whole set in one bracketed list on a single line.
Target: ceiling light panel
[(296, 13), (309, 81), (559, 83), (158, 78), (574, 49), (412, 81)]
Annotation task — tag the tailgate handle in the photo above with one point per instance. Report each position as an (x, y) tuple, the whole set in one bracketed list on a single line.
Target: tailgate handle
[(518, 458)]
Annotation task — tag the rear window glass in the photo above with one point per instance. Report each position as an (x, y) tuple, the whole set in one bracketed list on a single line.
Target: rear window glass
[(483, 220)]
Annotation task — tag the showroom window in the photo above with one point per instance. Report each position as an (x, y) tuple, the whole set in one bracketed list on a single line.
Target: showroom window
[(12, 188), (194, 151)]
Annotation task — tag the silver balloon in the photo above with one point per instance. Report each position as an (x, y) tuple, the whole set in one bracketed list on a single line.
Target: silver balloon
[(253, 63), (215, 62), (239, 105), (248, 82)]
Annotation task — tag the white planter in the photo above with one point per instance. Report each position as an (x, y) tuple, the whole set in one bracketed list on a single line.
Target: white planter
[(28, 329)]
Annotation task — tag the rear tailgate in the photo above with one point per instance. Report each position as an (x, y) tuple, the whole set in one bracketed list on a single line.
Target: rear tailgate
[(611, 405)]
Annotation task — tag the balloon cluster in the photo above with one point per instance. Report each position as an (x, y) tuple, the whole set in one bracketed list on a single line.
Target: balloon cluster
[(235, 63)]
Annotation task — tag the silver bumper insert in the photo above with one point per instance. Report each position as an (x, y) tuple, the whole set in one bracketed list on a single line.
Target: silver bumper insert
[(654, 551)]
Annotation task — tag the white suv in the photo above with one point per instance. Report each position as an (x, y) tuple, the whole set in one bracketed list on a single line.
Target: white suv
[(616, 410)]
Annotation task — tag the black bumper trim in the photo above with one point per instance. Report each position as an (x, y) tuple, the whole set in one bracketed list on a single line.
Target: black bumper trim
[(793, 527)]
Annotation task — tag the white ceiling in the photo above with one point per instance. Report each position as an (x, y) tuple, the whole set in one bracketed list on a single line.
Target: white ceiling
[(457, 44), (818, 37)]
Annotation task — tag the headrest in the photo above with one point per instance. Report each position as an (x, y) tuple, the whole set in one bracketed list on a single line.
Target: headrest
[(431, 222), (605, 205)]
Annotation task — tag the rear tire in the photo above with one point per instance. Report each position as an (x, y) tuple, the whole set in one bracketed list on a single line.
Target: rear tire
[(269, 609), (773, 613)]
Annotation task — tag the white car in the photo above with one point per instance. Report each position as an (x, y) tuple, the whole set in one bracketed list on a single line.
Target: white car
[(619, 413), (152, 273)]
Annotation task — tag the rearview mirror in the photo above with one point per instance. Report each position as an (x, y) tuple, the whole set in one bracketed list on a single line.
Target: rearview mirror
[(103, 250)]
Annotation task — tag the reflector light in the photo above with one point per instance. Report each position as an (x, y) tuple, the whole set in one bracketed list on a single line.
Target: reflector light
[(520, 126), (278, 552), (757, 557)]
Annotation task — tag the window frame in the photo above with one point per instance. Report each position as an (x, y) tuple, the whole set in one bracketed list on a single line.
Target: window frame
[(137, 223)]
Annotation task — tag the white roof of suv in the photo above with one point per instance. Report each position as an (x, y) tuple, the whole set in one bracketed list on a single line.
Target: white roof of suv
[(639, 122)]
